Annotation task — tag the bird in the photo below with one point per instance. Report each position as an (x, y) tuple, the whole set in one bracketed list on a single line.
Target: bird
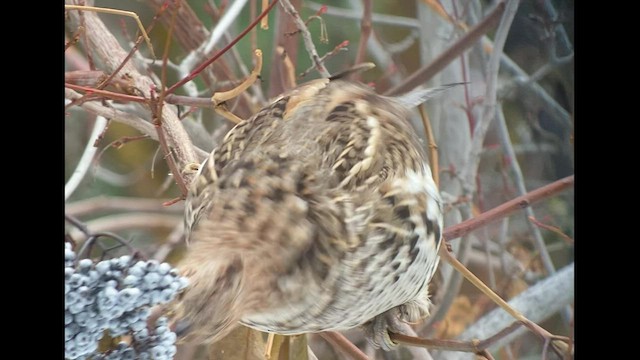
[(318, 213)]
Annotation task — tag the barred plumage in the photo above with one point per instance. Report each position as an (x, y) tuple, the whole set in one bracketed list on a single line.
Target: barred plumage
[(318, 213)]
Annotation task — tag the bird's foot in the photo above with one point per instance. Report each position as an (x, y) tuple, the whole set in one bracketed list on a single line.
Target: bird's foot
[(377, 330)]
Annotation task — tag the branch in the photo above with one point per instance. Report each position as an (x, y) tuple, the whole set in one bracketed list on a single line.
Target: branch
[(384, 19), (229, 17), (425, 73), (116, 203), (518, 178), (341, 342), (86, 159), (306, 37), (531, 88), (115, 223), (473, 346), (174, 239), (125, 118), (537, 303), (470, 170), (340, 47), (507, 208), (195, 72), (107, 49), (365, 32)]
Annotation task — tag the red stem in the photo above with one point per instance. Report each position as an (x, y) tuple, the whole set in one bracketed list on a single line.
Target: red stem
[(215, 57)]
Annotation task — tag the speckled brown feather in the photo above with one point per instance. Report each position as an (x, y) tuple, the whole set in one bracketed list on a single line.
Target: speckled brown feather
[(318, 213)]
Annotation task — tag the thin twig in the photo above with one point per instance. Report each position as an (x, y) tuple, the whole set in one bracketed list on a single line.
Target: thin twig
[(489, 106), (116, 12), (532, 88), (195, 72), (105, 93), (92, 237), (120, 222), (339, 341), (134, 48), (173, 240), (74, 39), (537, 303), (508, 208), (86, 158), (516, 314), (340, 47), (116, 203), (428, 71), (126, 118), (474, 346), (306, 37), (552, 228), (382, 19), (229, 17), (518, 178), (529, 87), (433, 147), (365, 32), (201, 102)]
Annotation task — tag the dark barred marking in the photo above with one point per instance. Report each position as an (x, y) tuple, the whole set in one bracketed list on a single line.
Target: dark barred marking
[(430, 225), (402, 212), (277, 195), (391, 200), (414, 242), (388, 242)]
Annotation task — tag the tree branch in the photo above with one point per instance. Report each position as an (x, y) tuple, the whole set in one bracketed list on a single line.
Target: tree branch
[(108, 51), (86, 159), (425, 73), (537, 303), (470, 170), (507, 208), (306, 37)]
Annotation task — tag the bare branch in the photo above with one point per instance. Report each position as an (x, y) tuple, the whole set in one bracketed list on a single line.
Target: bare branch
[(115, 203), (124, 117), (518, 178), (473, 346), (507, 208), (340, 47), (196, 71), (537, 303), (426, 72), (86, 159), (115, 223), (173, 240), (524, 81), (382, 19), (221, 28), (470, 170), (340, 342), (107, 49), (306, 37), (365, 32)]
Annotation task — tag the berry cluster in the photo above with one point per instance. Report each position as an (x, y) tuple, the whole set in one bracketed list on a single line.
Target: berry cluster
[(116, 295)]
